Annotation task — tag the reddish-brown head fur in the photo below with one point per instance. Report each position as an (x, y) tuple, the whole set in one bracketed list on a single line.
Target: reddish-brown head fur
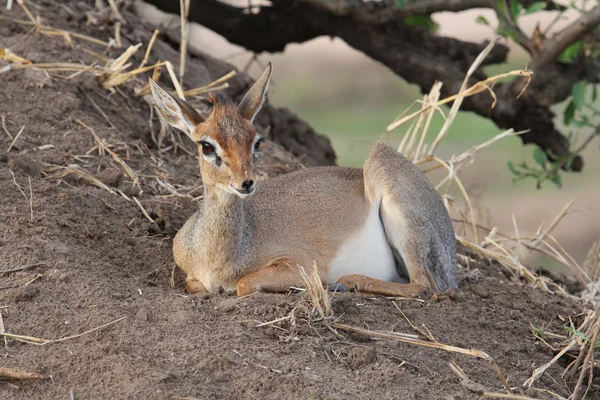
[(227, 140), (233, 138)]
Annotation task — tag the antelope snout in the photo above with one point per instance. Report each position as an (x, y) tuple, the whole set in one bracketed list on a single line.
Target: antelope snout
[(245, 189), (248, 185)]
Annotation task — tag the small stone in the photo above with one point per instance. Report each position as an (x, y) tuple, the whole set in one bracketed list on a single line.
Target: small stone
[(110, 176), (227, 305), (360, 356), (142, 315)]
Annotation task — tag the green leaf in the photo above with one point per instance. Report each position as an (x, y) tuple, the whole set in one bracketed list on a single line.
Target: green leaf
[(540, 156), (482, 20), (557, 180), (581, 122), (422, 20), (572, 52), (401, 3), (516, 9), (569, 113), (506, 32), (578, 93), (535, 7), (513, 169), (594, 92)]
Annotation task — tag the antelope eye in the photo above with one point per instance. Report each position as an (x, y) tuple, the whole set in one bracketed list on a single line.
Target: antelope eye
[(207, 148), (258, 144)]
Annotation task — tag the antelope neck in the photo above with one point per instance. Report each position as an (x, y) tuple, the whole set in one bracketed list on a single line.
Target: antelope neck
[(223, 224)]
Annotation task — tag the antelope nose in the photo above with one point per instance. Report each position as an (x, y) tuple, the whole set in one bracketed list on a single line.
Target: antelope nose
[(248, 185)]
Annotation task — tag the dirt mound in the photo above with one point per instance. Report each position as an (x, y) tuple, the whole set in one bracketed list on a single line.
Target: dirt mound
[(93, 257)]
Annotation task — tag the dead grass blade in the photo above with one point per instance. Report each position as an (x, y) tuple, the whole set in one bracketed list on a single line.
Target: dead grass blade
[(67, 35), (12, 143), (507, 396), (41, 342), (10, 373)]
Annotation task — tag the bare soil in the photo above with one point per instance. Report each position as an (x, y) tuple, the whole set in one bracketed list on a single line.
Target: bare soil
[(94, 258)]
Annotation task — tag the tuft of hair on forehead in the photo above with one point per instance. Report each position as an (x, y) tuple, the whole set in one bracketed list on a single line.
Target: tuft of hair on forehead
[(226, 120), (217, 99)]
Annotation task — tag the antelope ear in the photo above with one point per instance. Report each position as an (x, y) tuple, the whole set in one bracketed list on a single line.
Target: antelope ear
[(254, 99), (177, 112)]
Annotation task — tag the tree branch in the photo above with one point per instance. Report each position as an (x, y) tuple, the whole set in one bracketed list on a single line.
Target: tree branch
[(412, 52), (552, 47), (267, 31)]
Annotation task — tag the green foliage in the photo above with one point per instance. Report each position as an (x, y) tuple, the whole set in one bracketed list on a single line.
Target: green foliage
[(535, 7), (581, 337), (422, 20), (418, 20), (580, 115), (572, 53), (483, 21)]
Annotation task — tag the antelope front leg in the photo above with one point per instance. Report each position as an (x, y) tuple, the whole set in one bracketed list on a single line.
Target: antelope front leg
[(194, 286), (277, 277), (364, 284)]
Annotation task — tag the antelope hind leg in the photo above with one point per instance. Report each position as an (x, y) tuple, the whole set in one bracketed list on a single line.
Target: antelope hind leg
[(364, 284), (277, 277)]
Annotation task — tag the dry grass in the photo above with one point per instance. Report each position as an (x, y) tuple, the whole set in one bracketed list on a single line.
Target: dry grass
[(494, 246), (319, 295)]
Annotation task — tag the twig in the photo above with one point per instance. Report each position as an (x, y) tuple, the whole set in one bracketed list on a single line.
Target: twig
[(506, 396), (144, 210), (274, 321), (552, 47), (89, 331), (4, 127), (149, 49), (102, 112), (184, 8), (41, 342), (24, 267), (15, 140), (3, 329), (23, 193)]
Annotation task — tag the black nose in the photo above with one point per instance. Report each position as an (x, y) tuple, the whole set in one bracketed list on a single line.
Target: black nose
[(248, 185)]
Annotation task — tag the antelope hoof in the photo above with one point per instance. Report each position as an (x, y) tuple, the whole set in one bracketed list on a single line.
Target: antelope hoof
[(194, 286), (350, 282), (338, 287)]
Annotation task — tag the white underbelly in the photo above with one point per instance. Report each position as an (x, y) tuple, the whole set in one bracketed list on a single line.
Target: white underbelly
[(366, 252)]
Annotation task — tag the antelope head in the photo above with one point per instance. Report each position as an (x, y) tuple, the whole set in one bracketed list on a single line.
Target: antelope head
[(228, 144)]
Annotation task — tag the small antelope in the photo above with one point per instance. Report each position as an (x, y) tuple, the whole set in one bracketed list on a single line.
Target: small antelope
[(382, 229)]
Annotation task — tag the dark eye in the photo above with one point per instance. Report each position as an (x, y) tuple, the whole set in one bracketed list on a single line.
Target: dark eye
[(207, 148), (258, 144)]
